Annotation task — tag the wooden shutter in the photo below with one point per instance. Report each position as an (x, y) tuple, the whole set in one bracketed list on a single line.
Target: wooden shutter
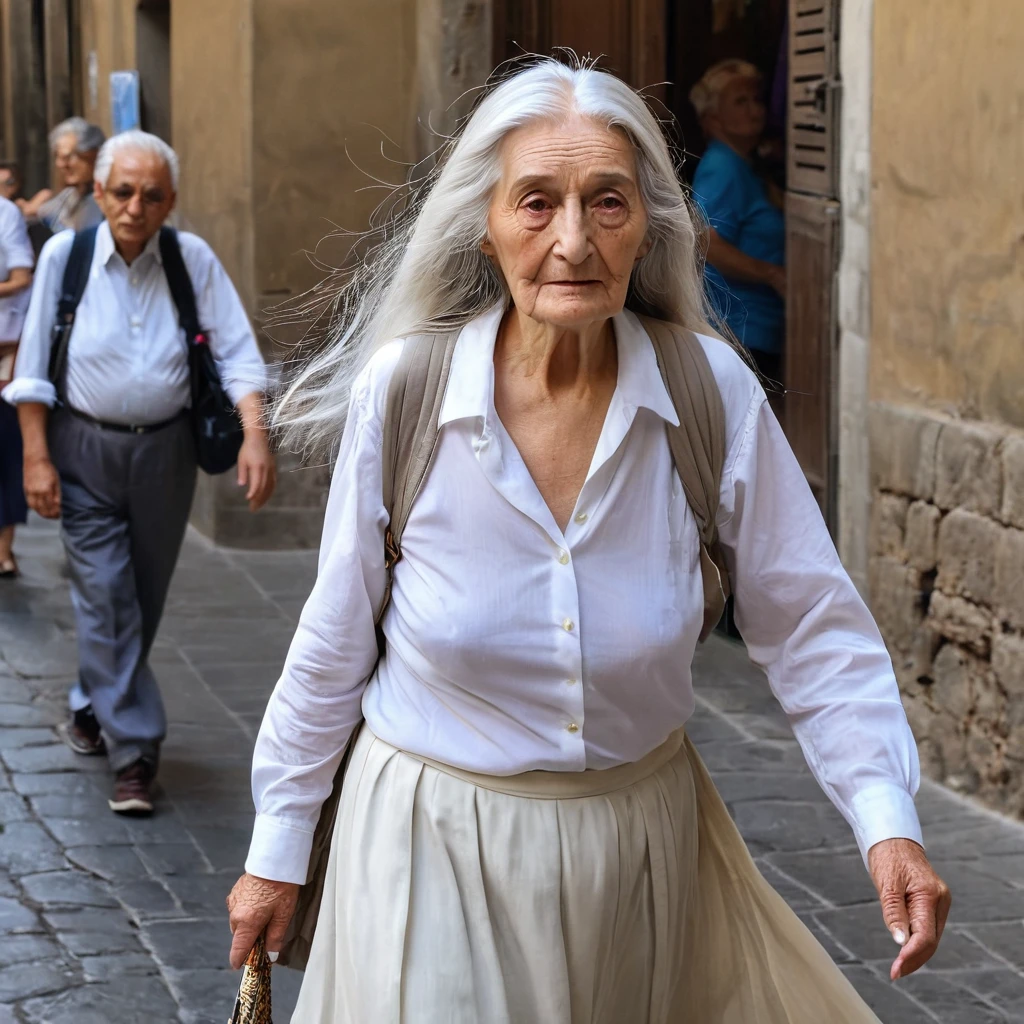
[(812, 243), (813, 142)]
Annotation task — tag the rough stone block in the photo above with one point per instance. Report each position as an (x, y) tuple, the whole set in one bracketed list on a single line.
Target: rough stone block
[(968, 467), (921, 535), (961, 621), (897, 601), (1009, 578), (958, 676), (903, 444), (1008, 663), (967, 556), (1012, 510), (888, 524)]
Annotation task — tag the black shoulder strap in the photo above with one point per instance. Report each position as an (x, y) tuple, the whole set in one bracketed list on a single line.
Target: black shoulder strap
[(180, 283), (76, 277)]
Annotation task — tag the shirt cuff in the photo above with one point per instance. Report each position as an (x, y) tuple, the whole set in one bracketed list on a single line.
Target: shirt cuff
[(30, 389), (238, 387), (881, 812), (279, 851)]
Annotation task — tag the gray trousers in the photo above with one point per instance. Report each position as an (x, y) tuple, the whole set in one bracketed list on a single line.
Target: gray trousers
[(125, 501)]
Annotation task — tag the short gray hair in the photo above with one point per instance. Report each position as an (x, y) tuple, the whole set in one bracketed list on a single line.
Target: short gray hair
[(706, 93), (140, 142), (88, 137)]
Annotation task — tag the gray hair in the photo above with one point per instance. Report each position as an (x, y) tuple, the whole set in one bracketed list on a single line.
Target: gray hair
[(708, 91), (88, 137), (424, 271), (139, 142)]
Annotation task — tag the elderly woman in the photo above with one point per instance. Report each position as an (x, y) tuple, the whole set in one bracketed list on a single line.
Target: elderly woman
[(746, 249), (75, 144), (524, 834)]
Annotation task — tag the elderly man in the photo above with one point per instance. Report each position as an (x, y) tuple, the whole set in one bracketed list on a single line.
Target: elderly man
[(75, 144), (117, 459)]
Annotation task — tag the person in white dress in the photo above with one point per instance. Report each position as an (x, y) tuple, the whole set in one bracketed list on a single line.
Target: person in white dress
[(524, 833)]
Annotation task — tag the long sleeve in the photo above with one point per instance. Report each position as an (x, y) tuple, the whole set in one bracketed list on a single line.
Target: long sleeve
[(221, 313), (31, 371), (316, 703), (805, 624)]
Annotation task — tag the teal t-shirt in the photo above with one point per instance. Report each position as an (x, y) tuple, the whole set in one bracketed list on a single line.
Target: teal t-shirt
[(736, 204)]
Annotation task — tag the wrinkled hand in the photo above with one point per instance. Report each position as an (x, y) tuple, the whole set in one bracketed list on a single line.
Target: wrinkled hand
[(256, 468), (258, 905), (915, 901), (42, 488)]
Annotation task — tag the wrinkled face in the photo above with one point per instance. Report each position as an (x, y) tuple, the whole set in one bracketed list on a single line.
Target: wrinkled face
[(8, 183), (74, 168), (740, 114), (138, 197), (566, 223)]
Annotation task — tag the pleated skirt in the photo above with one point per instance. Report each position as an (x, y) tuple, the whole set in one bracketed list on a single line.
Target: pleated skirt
[(624, 896)]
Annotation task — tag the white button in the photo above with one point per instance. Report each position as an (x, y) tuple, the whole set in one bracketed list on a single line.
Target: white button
[(568, 625), (581, 517), (563, 557), (572, 727), (571, 682)]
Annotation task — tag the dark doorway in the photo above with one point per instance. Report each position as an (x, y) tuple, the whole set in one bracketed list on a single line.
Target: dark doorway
[(153, 59)]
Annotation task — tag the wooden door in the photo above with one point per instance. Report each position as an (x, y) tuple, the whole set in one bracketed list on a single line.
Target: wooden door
[(812, 244), (627, 35)]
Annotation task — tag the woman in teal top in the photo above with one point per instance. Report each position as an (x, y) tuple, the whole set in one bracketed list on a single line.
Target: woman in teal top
[(746, 279)]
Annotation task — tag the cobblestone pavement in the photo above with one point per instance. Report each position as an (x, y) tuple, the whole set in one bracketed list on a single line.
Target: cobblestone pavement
[(108, 921)]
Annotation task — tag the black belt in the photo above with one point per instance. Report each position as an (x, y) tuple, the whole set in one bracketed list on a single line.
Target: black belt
[(128, 428)]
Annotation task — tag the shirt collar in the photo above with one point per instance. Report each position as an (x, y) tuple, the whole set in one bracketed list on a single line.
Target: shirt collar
[(470, 391), (105, 248)]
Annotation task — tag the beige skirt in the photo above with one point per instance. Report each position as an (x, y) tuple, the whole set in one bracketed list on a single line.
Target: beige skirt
[(624, 896)]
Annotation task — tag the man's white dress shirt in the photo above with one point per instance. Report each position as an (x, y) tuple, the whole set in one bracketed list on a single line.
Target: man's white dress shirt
[(15, 251), (127, 362), (512, 645)]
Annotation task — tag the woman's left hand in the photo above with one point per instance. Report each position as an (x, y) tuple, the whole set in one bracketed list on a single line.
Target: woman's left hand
[(915, 901)]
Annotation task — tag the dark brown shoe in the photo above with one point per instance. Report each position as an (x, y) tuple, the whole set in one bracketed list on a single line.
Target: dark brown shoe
[(82, 733), (132, 790)]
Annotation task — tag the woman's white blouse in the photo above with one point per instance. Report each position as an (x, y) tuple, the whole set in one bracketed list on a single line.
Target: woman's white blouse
[(512, 645)]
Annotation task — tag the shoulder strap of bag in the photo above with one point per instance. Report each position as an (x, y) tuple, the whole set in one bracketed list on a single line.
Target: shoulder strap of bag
[(76, 277), (698, 448), (415, 394), (180, 283)]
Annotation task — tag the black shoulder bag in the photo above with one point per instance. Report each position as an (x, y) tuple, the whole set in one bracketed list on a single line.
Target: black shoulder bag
[(76, 276), (216, 425)]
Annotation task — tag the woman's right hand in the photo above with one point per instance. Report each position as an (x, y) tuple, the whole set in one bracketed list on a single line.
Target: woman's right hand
[(257, 905)]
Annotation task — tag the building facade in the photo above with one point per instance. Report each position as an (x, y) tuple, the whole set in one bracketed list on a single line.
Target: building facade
[(946, 419), (905, 220)]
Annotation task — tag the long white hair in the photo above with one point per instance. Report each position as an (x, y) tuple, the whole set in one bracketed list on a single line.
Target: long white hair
[(425, 272)]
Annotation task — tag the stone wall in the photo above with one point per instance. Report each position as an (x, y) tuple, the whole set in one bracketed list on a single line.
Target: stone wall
[(946, 579)]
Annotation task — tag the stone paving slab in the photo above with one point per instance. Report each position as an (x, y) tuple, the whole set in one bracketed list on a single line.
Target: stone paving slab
[(117, 921)]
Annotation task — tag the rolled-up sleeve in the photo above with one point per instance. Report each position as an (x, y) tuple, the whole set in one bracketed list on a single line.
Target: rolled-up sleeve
[(805, 624), (222, 315), (316, 703), (31, 370)]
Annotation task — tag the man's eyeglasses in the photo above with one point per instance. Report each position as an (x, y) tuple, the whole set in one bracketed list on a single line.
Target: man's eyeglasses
[(149, 196)]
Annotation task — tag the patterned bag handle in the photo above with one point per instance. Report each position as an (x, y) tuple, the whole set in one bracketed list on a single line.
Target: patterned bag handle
[(252, 1004)]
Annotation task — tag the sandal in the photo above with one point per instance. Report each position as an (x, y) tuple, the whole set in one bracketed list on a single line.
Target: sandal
[(8, 568)]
